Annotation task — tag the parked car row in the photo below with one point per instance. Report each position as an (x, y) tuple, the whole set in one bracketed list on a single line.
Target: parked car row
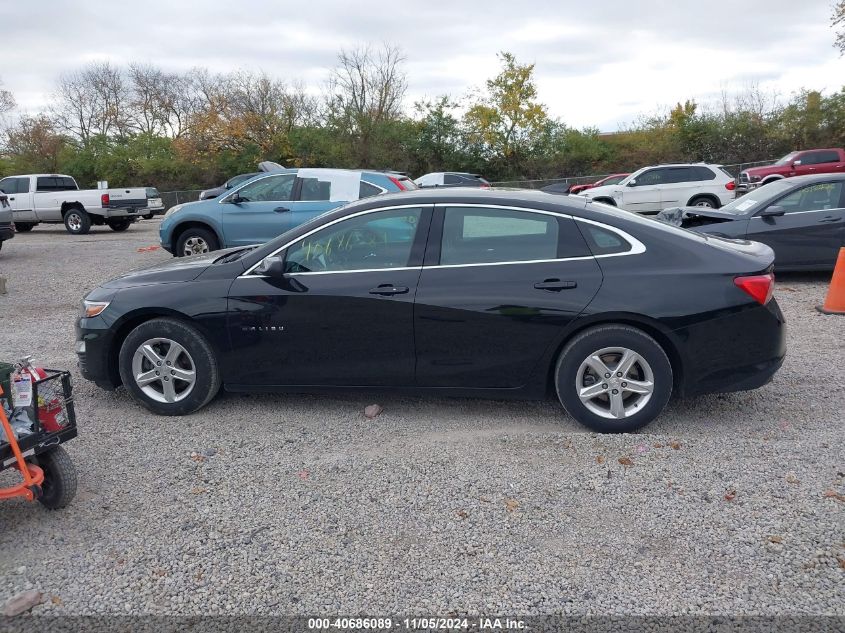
[(804, 163)]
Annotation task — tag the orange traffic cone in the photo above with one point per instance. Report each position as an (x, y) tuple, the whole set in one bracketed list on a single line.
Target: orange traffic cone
[(835, 302)]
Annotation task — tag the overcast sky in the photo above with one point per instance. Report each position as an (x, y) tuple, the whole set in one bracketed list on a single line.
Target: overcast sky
[(598, 63)]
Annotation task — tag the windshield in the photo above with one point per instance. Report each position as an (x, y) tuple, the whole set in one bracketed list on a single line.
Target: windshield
[(787, 159), (757, 198)]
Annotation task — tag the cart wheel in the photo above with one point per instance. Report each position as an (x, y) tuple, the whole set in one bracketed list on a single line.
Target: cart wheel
[(59, 487)]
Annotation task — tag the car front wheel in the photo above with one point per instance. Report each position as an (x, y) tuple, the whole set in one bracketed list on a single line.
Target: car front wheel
[(613, 378), (169, 367), (196, 241)]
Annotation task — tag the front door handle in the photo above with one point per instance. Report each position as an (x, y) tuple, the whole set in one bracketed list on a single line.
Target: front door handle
[(555, 285), (280, 210), (387, 290), (830, 218)]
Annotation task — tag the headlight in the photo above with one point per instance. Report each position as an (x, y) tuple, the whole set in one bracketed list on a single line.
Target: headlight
[(174, 209), (94, 308), (754, 178)]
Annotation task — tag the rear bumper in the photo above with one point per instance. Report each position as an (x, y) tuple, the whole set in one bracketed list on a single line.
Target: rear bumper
[(154, 211), (124, 212), (737, 352)]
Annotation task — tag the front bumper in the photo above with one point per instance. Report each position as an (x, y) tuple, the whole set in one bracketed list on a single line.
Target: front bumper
[(93, 346), (6, 233)]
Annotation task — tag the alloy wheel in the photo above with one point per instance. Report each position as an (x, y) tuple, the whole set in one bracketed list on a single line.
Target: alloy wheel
[(164, 370), (74, 221), (195, 246), (614, 382)]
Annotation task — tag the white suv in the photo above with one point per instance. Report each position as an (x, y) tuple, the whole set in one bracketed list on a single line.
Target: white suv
[(652, 189)]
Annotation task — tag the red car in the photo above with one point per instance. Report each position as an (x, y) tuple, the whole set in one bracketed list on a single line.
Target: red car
[(615, 179)]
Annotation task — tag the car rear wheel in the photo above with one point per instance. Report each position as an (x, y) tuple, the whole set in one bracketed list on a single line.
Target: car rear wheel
[(169, 367), (77, 222), (613, 378), (196, 241), (705, 202)]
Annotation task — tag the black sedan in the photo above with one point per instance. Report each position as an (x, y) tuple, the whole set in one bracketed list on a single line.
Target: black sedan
[(500, 294), (802, 219)]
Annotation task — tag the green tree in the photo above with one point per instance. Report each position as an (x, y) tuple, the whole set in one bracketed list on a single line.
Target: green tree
[(504, 121)]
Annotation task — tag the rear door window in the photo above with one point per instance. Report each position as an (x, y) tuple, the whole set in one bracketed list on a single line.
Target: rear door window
[(680, 174), (473, 235)]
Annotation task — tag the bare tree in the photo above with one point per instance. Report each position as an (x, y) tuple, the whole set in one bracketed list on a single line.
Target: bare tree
[(837, 21), (7, 100), (93, 101), (366, 89)]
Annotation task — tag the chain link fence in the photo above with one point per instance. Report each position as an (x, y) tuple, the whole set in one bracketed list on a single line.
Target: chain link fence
[(172, 198)]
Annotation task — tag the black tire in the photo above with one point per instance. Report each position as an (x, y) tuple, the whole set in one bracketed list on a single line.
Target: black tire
[(59, 487), (119, 225), (587, 343), (148, 217), (195, 241), (77, 221), (706, 202), (24, 227), (199, 354)]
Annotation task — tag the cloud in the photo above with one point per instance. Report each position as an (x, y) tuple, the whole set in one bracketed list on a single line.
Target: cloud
[(599, 63)]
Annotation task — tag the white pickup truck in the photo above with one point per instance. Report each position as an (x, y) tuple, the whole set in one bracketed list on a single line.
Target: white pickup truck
[(57, 199)]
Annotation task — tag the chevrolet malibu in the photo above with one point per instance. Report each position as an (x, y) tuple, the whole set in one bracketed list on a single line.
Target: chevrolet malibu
[(470, 292)]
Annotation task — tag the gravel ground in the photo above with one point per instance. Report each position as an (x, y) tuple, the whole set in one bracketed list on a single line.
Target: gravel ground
[(301, 505)]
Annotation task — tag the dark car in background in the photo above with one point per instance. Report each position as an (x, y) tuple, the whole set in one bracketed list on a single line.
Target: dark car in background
[(452, 179), (500, 294), (802, 219)]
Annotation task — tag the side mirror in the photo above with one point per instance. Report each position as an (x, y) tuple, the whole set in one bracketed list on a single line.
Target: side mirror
[(273, 266), (631, 183), (236, 199), (796, 163), (772, 211)]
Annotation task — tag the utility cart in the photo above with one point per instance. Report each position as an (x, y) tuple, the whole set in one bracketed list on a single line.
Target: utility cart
[(33, 432)]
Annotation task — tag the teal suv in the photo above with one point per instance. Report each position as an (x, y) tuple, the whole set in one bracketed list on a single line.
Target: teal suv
[(268, 205)]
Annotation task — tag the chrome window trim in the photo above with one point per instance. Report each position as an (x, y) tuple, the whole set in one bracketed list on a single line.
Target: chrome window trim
[(637, 247)]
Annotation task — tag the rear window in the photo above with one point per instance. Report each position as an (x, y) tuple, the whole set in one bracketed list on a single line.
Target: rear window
[(604, 241), (152, 192), (55, 183), (368, 190), (704, 173)]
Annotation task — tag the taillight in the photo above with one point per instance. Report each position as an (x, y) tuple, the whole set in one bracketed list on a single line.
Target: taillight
[(104, 200), (730, 185), (398, 183), (759, 287)]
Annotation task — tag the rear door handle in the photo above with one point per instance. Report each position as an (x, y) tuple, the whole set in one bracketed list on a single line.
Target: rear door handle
[(830, 218), (387, 290), (555, 285), (281, 209)]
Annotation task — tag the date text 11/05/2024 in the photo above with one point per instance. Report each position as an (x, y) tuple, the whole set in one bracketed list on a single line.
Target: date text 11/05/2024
[(421, 623)]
